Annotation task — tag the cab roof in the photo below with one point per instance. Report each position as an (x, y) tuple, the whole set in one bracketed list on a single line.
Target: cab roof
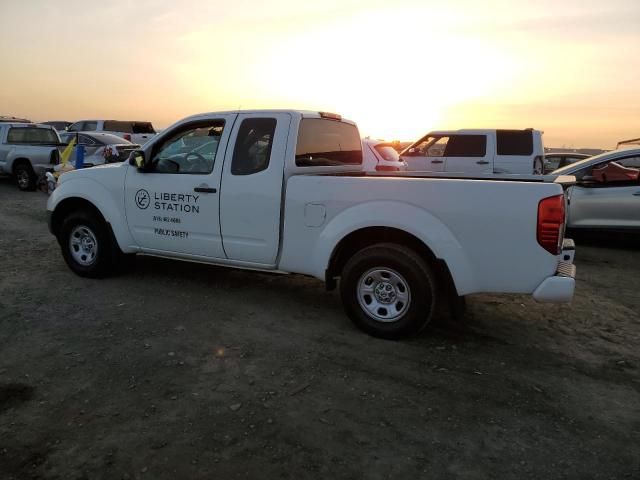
[(479, 131), (301, 113)]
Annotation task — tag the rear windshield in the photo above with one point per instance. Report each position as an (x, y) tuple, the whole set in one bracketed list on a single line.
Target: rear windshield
[(387, 152), (128, 127), (323, 142), (109, 139), (514, 142), (32, 135)]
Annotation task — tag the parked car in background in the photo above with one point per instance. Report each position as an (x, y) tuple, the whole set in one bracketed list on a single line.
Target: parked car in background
[(555, 160), (100, 148), (133, 131), (27, 150), (59, 125), (8, 119), (607, 193), (477, 152), (379, 156)]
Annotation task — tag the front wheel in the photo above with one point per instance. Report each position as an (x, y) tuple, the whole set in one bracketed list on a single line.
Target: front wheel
[(389, 291), (86, 244)]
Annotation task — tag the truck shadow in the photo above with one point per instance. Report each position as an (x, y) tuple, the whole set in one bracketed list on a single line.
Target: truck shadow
[(302, 298)]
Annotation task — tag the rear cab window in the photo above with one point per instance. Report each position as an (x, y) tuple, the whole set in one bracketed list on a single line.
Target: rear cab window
[(32, 135), (328, 143)]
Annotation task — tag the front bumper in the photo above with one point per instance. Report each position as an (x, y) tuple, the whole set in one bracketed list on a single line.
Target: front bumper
[(560, 287)]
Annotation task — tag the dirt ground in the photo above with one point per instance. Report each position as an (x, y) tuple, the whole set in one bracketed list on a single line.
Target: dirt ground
[(176, 370)]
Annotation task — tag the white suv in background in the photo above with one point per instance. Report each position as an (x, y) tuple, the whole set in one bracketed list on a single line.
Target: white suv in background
[(477, 152), (133, 131)]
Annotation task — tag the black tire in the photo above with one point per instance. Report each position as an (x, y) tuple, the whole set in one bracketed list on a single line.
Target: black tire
[(404, 266), (25, 176), (104, 259), (538, 167)]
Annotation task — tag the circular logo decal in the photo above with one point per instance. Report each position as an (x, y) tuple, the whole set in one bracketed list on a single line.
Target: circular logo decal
[(143, 199)]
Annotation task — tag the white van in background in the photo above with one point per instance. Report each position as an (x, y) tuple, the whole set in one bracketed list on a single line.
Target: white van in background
[(477, 152), (133, 131)]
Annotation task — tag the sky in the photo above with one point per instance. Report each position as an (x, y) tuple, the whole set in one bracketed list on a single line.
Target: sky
[(398, 68)]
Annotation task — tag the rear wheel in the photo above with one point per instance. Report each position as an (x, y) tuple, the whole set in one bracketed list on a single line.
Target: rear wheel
[(25, 176), (538, 166), (388, 291), (86, 244)]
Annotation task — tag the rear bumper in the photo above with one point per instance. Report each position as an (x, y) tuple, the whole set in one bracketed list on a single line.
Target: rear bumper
[(560, 287)]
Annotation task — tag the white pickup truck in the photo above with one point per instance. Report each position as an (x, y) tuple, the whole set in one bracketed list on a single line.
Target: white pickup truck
[(282, 191), (27, 150)]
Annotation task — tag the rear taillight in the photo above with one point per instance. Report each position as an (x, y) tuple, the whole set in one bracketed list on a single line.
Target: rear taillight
[(551, 223), (386, 168), (127, 137)]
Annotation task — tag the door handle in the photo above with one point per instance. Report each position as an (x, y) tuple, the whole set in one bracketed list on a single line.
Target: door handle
[(637, 194), (205, 190), (482, 162), (437, 161)]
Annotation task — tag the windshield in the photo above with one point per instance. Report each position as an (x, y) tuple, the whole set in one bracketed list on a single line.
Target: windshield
[(577, 165)]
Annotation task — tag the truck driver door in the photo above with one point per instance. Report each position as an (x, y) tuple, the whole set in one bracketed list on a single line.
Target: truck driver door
[(173, 204)]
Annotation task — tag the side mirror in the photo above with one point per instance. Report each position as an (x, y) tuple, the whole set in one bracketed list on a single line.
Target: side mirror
[(412, 150), (587, 180), (137, 159)]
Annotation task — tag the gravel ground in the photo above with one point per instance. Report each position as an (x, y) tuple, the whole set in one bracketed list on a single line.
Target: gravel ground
[(177, 370)]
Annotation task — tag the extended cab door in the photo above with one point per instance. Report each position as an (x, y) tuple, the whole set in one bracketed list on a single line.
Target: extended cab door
[(251, 190), (468, 153), (173, 205)]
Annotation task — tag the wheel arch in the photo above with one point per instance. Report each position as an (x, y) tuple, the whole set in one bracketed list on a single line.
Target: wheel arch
[(368, 236), (76, 194), (396, 222), (68, 205), (18, 161)]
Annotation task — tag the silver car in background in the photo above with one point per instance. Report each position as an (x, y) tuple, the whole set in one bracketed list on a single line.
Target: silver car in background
[(100, 148), (607, 193)]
